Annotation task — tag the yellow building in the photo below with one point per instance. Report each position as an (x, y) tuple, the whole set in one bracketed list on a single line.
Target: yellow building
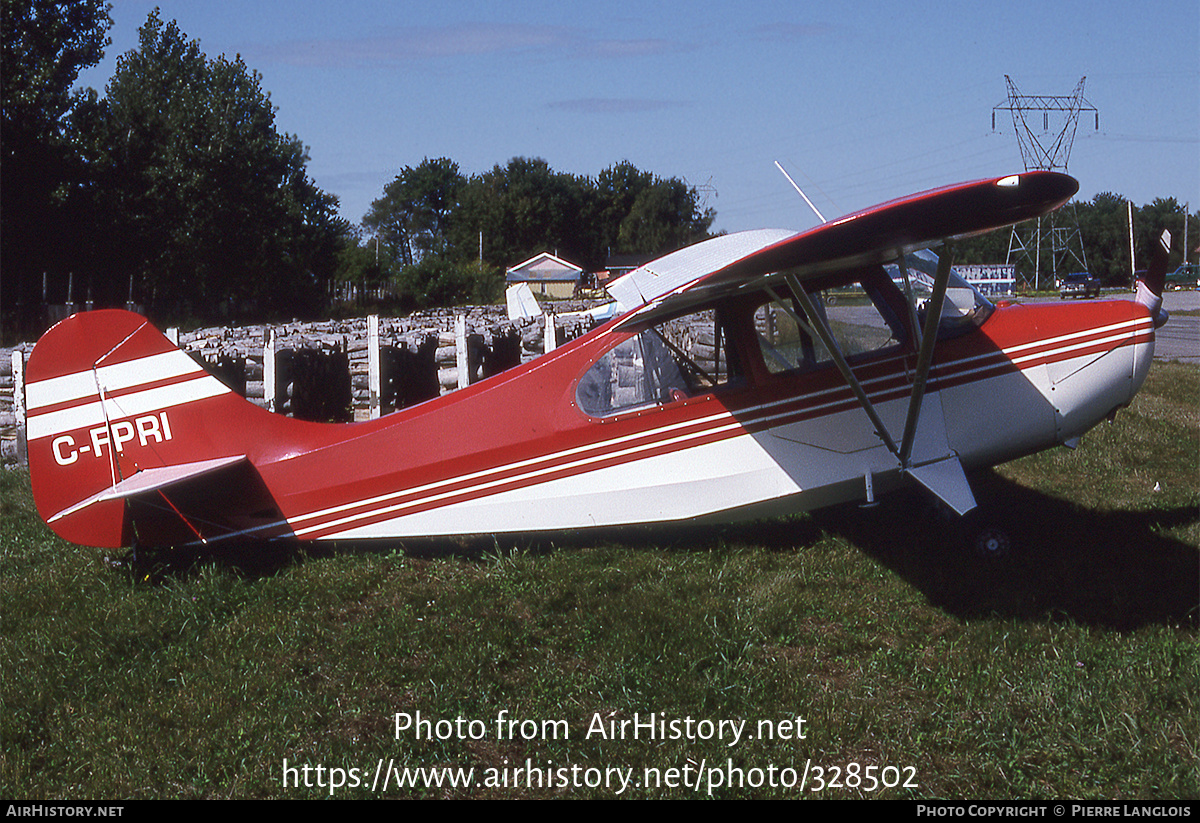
[(547, 275)]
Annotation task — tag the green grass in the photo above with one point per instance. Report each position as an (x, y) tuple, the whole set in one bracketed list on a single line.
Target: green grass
[(1070, 669)]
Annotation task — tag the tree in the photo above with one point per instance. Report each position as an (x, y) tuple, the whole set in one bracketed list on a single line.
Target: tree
[(434, 225), (1104, 232), (441, 281), (521, 209), (201, 201), (664, 217), (1164, 213), (413, 215), (617, 189), (46, 43), (525, 207)]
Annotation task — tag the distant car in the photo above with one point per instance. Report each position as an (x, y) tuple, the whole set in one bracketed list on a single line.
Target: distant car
[(1079, 284), (1186, 276)]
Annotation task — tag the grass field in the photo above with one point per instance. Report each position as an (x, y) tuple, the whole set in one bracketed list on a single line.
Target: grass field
[(1068, 669)]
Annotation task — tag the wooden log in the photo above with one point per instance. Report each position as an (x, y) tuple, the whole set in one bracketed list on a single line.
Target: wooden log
[(373, 368), (461, 353), (19, 408)]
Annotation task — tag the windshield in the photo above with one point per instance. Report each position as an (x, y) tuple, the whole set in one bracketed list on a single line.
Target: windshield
[(964, 308)]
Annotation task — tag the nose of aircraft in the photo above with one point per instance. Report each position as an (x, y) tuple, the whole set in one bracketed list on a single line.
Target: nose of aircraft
[(1105, 366)]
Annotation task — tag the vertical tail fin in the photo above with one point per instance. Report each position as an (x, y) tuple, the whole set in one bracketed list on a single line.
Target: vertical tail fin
[(115, 411)]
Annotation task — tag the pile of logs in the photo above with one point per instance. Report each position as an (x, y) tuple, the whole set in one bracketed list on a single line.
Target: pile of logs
[(343, 370), (417, 357), (11, 442)]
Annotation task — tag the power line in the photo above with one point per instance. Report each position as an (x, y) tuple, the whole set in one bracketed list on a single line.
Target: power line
[(1047, 149)]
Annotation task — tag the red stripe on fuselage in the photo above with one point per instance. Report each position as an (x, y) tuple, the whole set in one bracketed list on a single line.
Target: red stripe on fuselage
[(705, 420)]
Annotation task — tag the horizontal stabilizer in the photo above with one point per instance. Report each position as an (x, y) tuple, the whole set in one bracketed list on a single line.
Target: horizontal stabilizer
[(150, 480), (522, 305), (947, 480)]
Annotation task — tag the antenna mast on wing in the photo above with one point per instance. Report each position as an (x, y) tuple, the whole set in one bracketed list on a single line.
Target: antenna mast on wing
[(801, 192)]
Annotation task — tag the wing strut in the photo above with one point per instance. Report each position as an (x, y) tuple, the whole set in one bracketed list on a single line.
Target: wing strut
[(821, 326), (944, 477), (933, 314)]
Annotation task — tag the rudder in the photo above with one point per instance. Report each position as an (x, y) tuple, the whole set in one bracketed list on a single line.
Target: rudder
[(108, 398)]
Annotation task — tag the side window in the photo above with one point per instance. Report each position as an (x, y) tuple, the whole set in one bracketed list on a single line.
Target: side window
[(787, 342), (676, 359), (861, 319)]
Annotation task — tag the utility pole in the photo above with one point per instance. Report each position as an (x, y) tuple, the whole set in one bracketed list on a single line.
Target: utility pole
[(1186, 214), (1046, 148), (1132, 263)]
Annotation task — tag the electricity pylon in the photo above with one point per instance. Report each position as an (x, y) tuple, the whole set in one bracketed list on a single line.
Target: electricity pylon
[(1046, 149)]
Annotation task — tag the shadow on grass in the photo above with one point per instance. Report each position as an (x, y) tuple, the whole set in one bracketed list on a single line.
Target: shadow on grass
[(246, 558), (263, 558), (1112, 569)]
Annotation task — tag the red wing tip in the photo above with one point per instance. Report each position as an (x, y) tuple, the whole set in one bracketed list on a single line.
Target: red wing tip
[(1050, 187)]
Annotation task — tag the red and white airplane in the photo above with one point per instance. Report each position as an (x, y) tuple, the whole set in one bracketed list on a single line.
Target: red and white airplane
[(754, 374)]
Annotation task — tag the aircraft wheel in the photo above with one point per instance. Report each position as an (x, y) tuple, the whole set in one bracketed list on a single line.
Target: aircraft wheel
[(992, 543), (984, 537)]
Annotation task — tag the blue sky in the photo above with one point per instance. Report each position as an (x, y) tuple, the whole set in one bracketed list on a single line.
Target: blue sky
[(860, 101)]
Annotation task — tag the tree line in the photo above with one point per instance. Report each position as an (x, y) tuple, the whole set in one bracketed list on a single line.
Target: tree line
[(444, 236), (174, 190), (1102, 224)]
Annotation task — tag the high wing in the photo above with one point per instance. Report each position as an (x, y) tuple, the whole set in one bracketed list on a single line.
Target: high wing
[(692, 263), (749, 260)]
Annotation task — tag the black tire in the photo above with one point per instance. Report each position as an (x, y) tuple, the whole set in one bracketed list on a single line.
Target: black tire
[(992, 543), (985, 537)]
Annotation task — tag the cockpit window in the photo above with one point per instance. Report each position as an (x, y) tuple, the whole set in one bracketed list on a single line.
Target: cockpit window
[(862, 318), (965, 306), (672, 361)]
